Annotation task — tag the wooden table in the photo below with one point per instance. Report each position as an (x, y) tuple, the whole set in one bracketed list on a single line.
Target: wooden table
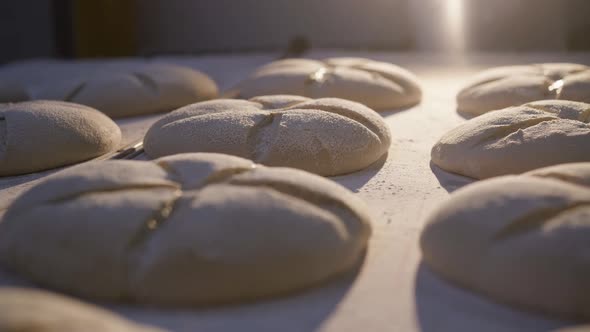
[(393, 290)]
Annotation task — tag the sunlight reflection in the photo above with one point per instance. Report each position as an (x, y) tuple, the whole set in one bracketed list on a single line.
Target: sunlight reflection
[(454, 24)]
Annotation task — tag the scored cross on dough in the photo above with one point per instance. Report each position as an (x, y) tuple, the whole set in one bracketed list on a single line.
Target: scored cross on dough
[(378, 85), (501, 87), (189, 229), (320, 75), (521, 240), (128, 90), (516, 139), (326, 136)]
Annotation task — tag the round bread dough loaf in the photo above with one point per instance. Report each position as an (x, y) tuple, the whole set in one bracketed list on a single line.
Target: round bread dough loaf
[(502, 87), (517, 139), (189, 229), (521, 240), (121, 91), (29, 310), (39, 135), (325, 136), (378, 85)]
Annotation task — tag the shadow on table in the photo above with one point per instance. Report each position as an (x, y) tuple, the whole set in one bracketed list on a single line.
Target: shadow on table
[(301, 311), (415, 107), (441, 307), (449, 181), (354, 181), (466, 115), (15, 180)]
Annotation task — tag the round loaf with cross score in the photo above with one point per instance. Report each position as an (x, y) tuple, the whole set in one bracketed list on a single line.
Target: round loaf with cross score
[(189, 229), (378, 85), (518, 239), (517, 139), (116, 88), (326, 136), (501, 87)]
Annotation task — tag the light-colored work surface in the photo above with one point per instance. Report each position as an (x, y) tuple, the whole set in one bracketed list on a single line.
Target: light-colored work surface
[(392, 290)]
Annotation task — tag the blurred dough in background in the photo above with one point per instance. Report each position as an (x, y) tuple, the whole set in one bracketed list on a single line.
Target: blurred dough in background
[(326, 136), (34, 310), (189, 229), (378, 85), (521, 240), (501, 87), (516, 139), (39, 135), (120, 88)]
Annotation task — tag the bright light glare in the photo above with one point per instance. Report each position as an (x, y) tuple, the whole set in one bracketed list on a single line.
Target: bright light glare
[(454, 24)]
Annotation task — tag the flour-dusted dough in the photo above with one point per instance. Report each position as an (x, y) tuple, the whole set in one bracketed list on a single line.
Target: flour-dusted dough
[(39, 135), (502, 87), (327, 136), (130, 90), (189, 229), (517, 139), (521, 240), (29, 310), (119, 89), (378, 85)]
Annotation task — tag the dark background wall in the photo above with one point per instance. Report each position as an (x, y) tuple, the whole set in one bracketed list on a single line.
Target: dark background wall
[(195, 26), (525, 25), (87, 28), (518, 25), (26, 29)]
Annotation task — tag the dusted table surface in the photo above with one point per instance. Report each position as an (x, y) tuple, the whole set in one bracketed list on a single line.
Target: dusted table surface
[(392, 290)]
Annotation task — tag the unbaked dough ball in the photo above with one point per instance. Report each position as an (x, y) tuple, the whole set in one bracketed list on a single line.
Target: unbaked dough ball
[(130, 90), (517, 139), (502, 87), (326, 136), (378, 85), (117, 88), (189, 229), (29, 310), (39, 135), (521, 240)]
